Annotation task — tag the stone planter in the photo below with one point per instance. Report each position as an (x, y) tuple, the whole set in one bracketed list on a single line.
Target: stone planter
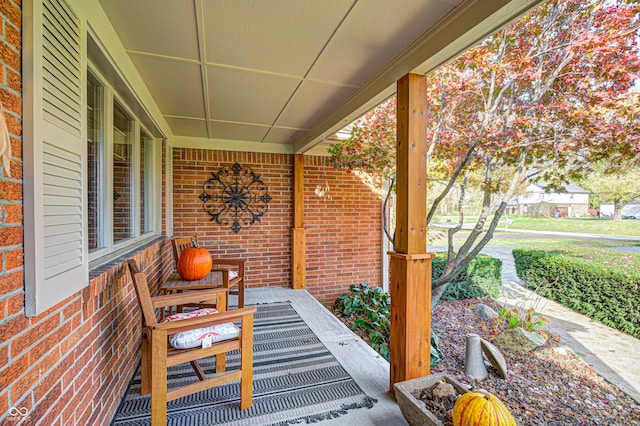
[(412, 408)]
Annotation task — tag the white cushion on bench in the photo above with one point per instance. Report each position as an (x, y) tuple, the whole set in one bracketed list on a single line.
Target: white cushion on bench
[(193, 338)]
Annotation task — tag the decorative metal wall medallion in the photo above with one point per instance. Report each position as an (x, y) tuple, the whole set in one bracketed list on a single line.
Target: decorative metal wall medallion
[(235, 197)]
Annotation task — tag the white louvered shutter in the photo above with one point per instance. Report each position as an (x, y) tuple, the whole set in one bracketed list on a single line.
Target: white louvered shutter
[(56, 264)]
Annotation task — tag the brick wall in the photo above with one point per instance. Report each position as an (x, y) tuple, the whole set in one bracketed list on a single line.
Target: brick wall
[(266, 245), (343, 234), (343, 230), (70, 364)]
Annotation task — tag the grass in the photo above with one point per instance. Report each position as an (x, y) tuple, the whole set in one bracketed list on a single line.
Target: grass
[(595, 251), (591, 225)]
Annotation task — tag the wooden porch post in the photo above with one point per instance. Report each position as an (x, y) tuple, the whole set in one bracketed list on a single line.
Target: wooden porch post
[(410, 285), (298, 238)]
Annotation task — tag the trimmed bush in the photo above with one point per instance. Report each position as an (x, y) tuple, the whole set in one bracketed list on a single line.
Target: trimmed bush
[(481, 278), (609, 296)]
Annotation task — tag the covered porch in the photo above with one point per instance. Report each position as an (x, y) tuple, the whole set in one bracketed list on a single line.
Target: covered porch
[(119, 113), (366, 368)]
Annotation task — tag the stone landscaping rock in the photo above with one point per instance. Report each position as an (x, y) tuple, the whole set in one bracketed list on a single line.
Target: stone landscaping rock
[(520, 340), (443, 389), (485, 312), (495, 357)]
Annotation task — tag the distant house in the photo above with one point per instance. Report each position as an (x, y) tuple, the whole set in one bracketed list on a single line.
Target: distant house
[(571, 201)]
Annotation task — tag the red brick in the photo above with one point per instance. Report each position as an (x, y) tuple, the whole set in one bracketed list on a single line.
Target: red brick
[(35, 373), (16, 169), (13, 327), (72, 340), (14, 259), (93, 420), (4, 356), (75, 371), (50, 417), (83, 418), (71, 309), (14, 38), (16, 144), (39, 350), (4, 402), (76, 320), (10, 101), (43, 406), (10, 373), (12, 213), (54, 308), (11, 12), (2, 81), (14, 125), (55, 414), (11, 191), (53, 378), (15, 304)]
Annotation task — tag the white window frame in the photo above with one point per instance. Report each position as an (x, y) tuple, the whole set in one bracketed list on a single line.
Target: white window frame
[(110, 96)]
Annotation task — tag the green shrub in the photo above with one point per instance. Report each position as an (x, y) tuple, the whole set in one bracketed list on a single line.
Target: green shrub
[(369, 308), (541, 210), (480, 279), (606, 295)]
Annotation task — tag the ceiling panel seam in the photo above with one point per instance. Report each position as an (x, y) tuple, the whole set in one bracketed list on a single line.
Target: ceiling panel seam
[(184, 117), (245, 123), (315, 61), (198, 6), (160, 56), (238, 68)]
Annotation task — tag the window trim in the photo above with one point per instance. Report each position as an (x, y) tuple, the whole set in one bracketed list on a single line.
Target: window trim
[(106, 253)]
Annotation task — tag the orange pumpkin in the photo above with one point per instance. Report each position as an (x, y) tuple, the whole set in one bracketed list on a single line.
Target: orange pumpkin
[(194, 263), (480, 408)]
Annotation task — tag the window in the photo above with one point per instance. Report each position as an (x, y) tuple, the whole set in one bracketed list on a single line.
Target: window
[(95, 159), (121, 193), (146, 184)]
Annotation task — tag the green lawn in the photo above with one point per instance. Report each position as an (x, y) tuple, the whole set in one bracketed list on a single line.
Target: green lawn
[(629, 227), (595, 251), (591, 225)]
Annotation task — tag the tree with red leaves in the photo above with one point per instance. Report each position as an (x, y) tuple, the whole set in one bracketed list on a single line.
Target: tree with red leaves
[(540, 99)]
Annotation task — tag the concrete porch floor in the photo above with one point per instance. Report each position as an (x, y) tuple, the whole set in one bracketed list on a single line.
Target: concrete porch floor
[(366, 367)]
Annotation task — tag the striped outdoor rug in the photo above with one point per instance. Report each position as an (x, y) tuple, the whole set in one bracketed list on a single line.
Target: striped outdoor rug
[(295, 380)]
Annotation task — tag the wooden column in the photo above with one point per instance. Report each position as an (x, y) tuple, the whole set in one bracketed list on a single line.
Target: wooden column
[(298, 237), (410, 265)]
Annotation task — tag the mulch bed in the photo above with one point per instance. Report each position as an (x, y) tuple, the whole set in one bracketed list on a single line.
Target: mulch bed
[(546, 387)]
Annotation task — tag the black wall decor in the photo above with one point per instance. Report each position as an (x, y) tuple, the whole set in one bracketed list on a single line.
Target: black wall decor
[(235, 197)]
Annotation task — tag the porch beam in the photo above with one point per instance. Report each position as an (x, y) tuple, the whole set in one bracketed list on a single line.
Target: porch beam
[(298, 236), (410, 265)]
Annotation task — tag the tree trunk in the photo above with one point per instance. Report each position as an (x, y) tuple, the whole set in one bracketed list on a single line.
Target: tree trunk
[(617, 210)]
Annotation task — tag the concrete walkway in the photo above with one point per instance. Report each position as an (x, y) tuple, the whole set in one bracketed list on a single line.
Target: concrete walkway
[(613, 354), (364, 365)]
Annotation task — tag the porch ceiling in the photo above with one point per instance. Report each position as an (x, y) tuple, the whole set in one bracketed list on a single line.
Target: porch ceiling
[(283, 75)]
